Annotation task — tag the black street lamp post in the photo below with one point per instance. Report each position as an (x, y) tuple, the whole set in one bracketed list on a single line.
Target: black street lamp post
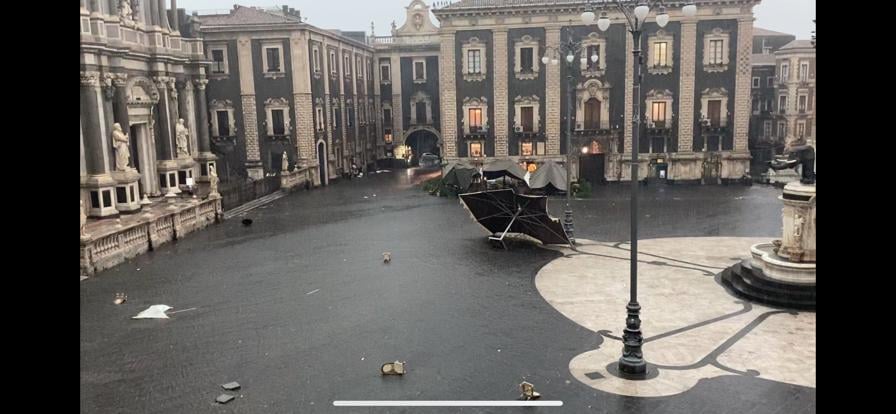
[(632, 362)]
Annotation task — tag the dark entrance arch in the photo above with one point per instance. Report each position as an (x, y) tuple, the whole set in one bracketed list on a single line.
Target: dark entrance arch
[(322, 163), (423, 141)]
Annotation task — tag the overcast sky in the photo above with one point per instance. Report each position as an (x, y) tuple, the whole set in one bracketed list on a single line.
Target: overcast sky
[(788, 16)]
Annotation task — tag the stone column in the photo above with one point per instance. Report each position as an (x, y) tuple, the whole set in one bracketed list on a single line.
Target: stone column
[(685, 165), (304, 108), (447, 92), (98, 182), (552, 95), (736, 164), (120, 101), (397, 113), (205, 156), (247, 99), (127, 189), (165, 164), (501, 101)]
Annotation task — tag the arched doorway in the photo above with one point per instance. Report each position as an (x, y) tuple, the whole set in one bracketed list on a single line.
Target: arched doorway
[(322, 163), (592, 162), (422, 141)]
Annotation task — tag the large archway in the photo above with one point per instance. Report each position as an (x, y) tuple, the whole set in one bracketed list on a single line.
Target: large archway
[(422, 141)]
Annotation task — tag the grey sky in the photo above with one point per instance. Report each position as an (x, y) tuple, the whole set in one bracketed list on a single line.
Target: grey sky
[(788, 16)]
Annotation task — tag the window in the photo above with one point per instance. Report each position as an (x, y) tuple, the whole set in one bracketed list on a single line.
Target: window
[(801, 129), (333, 62), (387, 116), (658, 114), (756, 82), (782, 129), (277, 119), (359, 66), (804, 71), (716, 52), (802, 103), (474, 61), (592, 114), (526, 149), (475, 118), (387, 137), (767, 129), (660, 54), (770, 82), (593, 50), (218, 61), (223, 117), (347, 66), (272, 56), (785, 72), (419, 70), (715, 113), (384, 73), (337, 118), (420, 112), (782, 104), (320, 118), (528, 118), (527, 59), (755, 104), (475, 149), (316, 56)]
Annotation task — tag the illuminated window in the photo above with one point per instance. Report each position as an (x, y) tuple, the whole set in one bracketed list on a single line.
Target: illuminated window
[(526, 149), (388, 136), (475, 118), (658, 114), (475, 149)]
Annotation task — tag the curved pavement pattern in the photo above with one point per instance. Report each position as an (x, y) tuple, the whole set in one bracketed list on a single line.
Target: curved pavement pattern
[(693, 329), (300, 309)]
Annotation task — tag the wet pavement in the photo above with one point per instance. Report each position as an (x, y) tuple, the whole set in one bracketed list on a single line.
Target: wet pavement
[(300, 309)]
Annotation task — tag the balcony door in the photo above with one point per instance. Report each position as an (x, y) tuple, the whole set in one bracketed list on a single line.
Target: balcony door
[(592, 114)]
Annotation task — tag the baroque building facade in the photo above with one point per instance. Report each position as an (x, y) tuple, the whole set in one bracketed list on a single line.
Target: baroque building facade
[(142, 125), (499, 100)]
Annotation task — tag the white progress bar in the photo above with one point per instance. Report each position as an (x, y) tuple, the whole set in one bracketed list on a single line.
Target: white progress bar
[(509, 403)]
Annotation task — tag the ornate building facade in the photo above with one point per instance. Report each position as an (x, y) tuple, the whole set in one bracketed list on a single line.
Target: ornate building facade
[(143, 123), (278, 85), (499, 100)]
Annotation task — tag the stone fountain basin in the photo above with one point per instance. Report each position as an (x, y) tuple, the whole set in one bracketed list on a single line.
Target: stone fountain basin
[(780, 269)]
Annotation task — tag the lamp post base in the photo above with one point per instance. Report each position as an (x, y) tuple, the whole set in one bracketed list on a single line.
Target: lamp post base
[(632, 362), (568, 226)]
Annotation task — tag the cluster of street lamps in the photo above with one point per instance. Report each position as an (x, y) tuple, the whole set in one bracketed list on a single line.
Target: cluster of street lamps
[(632, 362)]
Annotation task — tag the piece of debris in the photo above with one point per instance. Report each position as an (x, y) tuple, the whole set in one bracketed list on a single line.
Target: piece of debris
[(247, 222), (224, 398), (153, 312), (230, 386), (365, 197), (313, 292), (182, 310), (528, 391), (387, 257), (393, 368), (120, 298)]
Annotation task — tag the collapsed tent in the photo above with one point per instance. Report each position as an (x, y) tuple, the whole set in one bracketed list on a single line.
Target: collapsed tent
[(503, 211), (503, 168), (550, 176), (458, 175)]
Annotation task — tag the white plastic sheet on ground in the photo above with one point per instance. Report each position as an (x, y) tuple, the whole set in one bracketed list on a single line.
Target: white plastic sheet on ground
[(154, 312)]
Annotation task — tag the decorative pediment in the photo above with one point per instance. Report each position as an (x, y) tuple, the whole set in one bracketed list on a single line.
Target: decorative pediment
[(526, 100), (141, 90), (276, 102), (468, 101), (221, 104), (711, 93), (659, 94)]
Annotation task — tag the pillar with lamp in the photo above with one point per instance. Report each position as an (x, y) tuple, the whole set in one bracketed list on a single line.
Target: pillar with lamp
[(633, 14)]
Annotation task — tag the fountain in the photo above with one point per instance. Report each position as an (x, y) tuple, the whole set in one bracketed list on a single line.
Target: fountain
[(782, 273)]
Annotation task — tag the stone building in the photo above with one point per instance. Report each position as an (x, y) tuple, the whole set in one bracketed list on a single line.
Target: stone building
[(499, 100), (278, 85), (140, 72), (409, 74), (766, 139), (795, 91), (143, 127)]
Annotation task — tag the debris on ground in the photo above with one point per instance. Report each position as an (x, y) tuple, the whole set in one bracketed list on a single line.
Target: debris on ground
[(528, 391), (224, 398), (154, 312), (393, 368), (120, 298), (247, 222), (230, 386), (387, 257)]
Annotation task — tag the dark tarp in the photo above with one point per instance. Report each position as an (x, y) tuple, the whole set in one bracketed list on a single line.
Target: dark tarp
[(503, 167), (497, 209), (459, 175), (550, 173)]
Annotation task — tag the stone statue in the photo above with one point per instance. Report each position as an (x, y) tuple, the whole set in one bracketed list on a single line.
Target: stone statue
[(83, 220), (394, 27), (799, 153), (122, 148), (213, 181), (125, 13), (182, 136), (284, 164)]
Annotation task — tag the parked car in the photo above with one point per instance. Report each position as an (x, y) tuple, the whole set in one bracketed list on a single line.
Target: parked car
[(428, 160)]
